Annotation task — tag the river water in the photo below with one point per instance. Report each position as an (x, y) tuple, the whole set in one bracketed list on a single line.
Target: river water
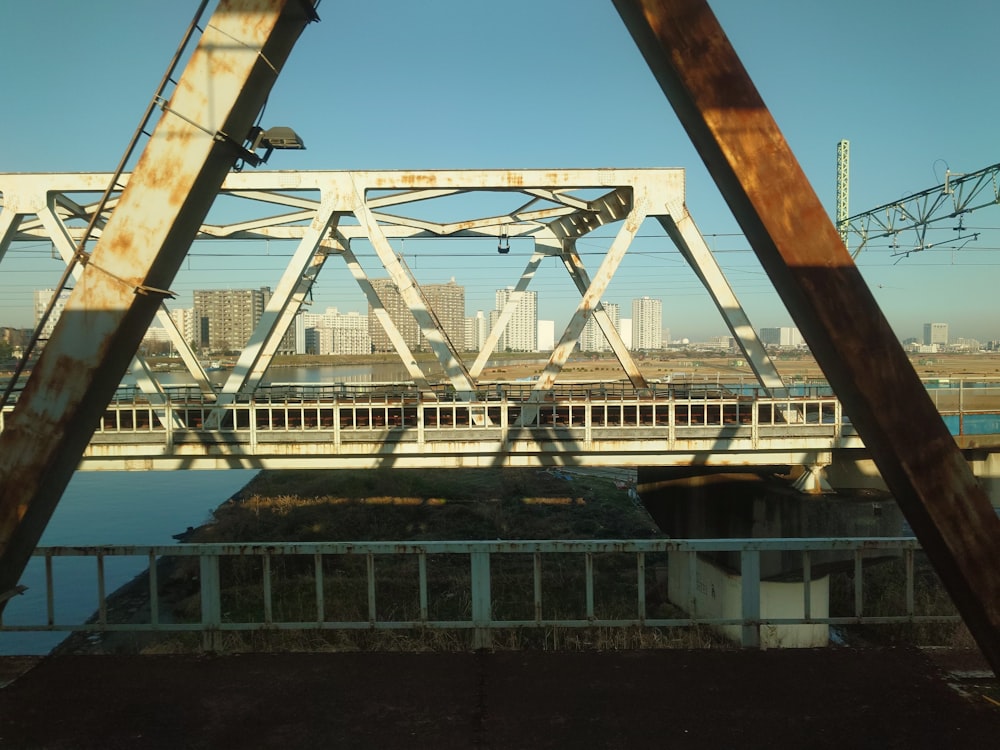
[(120, 508)]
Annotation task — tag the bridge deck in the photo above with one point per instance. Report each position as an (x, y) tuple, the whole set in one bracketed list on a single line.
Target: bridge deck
[(299, 430), (337, 426)]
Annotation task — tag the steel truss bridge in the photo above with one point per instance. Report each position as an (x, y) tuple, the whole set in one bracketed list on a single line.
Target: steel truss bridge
[(325, 213), (463, 419), (194, 146)]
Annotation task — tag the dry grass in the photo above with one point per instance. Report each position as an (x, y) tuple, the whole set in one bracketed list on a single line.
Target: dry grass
[(884, 595), (397, 505), (415, 505)]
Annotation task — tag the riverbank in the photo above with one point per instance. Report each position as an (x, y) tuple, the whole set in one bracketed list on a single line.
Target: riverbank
[(385, 505)]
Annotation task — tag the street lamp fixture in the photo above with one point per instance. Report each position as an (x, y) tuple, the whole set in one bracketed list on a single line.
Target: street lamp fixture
[(280, 138)]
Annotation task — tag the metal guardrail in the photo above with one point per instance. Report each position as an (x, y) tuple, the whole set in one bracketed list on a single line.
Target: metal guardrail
[(581, 412), (495, 593), (340, 408)]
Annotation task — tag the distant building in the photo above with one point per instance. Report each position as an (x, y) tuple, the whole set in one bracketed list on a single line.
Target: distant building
[(721, 342), (784, 337), (42, 299), (625, 329), (334, 332), (476, 331), (521, 333), (13, 341), (446, 303), (224, 319), (156, 340), (592, 339), (546, 335), (399, 313), (647, 324), (184, 320), (965, 345), (936, 334)]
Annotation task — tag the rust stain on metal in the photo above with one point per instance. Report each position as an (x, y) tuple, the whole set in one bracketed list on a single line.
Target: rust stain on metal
[(800, 249), (175, 180)]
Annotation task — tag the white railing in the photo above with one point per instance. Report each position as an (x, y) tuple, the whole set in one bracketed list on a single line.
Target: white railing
[(565, 412), (476, 586)]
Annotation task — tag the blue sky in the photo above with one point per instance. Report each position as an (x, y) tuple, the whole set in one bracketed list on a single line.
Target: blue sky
[(464, 84)]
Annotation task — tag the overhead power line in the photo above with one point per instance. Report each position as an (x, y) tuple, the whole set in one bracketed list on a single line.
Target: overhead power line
[(905, 222)]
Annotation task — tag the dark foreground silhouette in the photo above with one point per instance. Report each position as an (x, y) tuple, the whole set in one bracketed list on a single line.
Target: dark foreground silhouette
[(823, 698)]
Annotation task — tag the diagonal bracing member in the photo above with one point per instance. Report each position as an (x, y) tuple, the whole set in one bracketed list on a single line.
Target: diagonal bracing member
[(281, 309), (613, 206), (454, 369), (578, 273), (490, 345), (612, 259), (66, 248), (802, 252), (680, 227), (341, 245), (189, 153)]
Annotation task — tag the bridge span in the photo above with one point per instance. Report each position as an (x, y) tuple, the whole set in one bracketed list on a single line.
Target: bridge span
[(509, 424)]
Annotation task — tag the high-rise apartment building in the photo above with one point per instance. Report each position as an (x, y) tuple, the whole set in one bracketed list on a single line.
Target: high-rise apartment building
[(335, 332), (225, 318), (183, 318), (625, 330), (521, 333), (546, 335), (42, 299), (476, 331), (784, 337), (592, 339), (446, 302), (936, 334), (400, 315), (647, 324)]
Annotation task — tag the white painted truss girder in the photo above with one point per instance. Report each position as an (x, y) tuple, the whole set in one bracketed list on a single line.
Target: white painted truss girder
[(325, 211)]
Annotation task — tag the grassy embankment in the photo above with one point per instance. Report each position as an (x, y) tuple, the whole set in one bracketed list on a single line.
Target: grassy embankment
[(401, 505), (395, 505)]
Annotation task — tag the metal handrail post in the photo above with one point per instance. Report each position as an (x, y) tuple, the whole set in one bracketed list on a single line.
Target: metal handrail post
[(750, 586), (479, 562), (211, 602)]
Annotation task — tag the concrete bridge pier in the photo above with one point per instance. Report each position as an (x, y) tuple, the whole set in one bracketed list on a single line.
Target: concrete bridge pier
[(751, 506)]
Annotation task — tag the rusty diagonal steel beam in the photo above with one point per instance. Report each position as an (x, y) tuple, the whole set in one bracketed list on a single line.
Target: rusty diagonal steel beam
[(799, 248), (193, 147)]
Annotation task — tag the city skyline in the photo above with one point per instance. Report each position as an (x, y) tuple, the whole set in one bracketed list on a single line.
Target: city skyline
[(445, 300)]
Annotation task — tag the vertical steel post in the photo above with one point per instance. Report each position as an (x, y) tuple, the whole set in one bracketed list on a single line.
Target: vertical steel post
[(750, 598), (800, 249), (190, 152), (482, 607), (211, 602)]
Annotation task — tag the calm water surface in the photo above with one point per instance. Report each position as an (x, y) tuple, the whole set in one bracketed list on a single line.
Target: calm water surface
[(119, 508)]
